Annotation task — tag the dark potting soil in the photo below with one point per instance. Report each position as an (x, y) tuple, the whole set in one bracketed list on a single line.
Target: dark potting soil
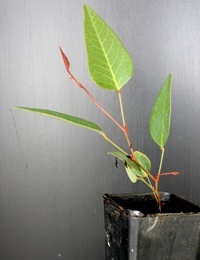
[(147, 204)]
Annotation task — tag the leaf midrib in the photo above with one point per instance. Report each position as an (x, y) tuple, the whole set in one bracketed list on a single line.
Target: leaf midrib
[(116, 84)]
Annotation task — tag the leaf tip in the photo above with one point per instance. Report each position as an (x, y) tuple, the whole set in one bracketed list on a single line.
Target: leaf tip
[(17, 108)]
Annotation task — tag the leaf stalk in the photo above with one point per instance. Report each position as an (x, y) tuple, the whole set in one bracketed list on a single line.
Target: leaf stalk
[(124, 125)]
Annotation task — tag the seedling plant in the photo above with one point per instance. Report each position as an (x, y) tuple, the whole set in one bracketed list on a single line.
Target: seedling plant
[(111, 67)]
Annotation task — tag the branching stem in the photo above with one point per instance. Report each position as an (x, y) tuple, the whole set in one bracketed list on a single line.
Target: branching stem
[(124, 129), (156, 194), (67, 66), (114, 144), (95, 102), (124, 125), (129, 142)]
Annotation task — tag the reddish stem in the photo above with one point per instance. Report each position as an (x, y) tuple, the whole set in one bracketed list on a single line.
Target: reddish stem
[(125, 126), (164, 174), (67, 66)]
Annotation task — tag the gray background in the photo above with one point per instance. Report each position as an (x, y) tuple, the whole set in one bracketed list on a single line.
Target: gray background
[(53, 175)]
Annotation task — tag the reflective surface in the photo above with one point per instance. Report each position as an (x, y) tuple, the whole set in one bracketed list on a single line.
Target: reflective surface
[(53, 175)]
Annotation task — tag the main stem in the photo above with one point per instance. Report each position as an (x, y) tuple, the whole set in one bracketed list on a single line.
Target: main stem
[(124, 130), (154, 190), (160, 167), (124, 125)]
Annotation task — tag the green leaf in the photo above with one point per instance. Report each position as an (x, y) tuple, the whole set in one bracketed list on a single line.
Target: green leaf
[(123, 157), (64, 117), (131, 174), (144, 161), (161, 114), (110, 65)]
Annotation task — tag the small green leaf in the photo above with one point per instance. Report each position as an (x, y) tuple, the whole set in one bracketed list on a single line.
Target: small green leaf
[(131, 174), (161, 114), (144, 161), (64, 117), (123, 157), (110, 65)]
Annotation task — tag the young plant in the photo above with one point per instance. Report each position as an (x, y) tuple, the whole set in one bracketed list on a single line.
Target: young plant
[(111, 67)]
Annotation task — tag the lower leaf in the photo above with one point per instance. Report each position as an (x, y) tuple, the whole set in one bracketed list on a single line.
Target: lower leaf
[(130, 172)]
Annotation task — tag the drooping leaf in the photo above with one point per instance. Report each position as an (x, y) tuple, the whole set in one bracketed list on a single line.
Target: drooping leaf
[(131, 173), (64, 117), (161, 114), (110, 65), (123, 157), (144, 161)]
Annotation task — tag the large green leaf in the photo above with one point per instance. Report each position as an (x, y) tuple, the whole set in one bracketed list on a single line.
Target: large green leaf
[(64, 117), (161, 114), (110, 65)]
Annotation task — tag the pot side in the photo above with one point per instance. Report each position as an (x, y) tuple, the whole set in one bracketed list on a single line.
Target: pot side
[(134, 229)]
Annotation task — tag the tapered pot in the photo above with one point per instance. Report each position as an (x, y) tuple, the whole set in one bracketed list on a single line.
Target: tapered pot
[(134, 229)]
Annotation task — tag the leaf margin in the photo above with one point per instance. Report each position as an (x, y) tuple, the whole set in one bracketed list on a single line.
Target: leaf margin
[(158, 137), (65, 117)]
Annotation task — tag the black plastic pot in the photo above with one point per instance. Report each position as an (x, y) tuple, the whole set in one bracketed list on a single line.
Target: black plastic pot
[(135, 230)]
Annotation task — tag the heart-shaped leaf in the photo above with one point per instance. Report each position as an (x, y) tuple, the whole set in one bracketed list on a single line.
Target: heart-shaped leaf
[(161, 114), (64, 117), (110, 65)]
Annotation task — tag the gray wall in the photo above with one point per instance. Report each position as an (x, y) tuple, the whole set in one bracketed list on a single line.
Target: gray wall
[(53, 175)]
